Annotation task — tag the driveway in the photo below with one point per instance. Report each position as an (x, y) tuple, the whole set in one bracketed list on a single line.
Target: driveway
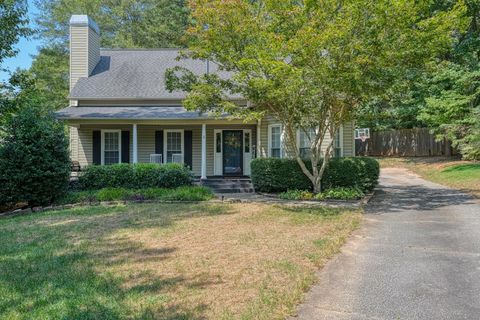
[(417, 256)]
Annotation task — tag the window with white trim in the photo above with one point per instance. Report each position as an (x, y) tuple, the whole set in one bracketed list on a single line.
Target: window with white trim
[(111, 147), (173, 146), (275, 141), (304, 142)]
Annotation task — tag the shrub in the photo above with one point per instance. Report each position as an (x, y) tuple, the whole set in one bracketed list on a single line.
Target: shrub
[(185, 193), (296, 195), (135, 176), (34, 159), (279, 175), (341, 193), (111, 194)]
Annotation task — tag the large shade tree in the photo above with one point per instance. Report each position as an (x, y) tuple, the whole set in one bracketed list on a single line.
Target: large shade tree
[(310, 64), (13, 25)]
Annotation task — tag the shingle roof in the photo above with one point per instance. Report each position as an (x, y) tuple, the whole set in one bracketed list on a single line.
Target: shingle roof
[(137, 113), (136, 74)]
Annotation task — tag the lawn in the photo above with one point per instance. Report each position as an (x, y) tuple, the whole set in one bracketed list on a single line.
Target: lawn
[(165, 261), (463, 175)]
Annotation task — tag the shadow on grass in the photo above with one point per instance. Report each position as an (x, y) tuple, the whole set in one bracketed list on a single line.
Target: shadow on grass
[(49, 264)]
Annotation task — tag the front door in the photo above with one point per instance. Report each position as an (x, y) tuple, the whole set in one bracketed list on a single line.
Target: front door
[(232, 152)]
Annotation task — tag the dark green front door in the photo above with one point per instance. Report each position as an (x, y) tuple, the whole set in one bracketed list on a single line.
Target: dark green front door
[(232, 152)]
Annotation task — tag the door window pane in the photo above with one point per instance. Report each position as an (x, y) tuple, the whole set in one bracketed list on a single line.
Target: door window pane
[(275, 134), (111, 148), (174, 146), (247, 142), (218, 142)]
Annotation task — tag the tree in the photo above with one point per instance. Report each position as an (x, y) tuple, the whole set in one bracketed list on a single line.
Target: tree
[(34, 159), (50, 73), (13, 25), (124, 24), (308, 63), (452, 108)]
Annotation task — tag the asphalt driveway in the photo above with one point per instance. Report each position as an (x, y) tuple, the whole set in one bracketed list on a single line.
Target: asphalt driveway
[(417, 256)]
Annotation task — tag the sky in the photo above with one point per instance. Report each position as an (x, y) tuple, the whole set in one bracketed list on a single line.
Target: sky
[(26, 48)]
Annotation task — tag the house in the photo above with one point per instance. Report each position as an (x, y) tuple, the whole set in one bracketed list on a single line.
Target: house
[(120, 111)]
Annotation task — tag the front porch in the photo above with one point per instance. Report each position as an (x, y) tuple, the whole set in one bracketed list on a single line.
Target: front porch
[(222, 149)]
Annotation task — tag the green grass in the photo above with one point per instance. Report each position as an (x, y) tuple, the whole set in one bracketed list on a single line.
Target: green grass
[(165, 261)]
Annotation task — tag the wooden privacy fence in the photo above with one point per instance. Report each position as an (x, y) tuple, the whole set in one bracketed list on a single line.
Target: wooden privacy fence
[(417, 142)]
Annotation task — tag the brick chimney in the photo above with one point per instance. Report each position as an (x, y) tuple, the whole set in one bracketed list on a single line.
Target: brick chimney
[(84, 47)]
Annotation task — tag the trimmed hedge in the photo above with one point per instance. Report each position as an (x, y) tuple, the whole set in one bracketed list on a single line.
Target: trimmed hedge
[(135, 176), (279, 175)]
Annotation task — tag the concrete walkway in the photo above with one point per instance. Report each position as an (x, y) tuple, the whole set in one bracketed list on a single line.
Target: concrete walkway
[(417, 256)]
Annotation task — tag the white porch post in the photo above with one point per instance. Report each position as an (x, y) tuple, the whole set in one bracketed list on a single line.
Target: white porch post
[(259, 140), (134, 142), (204, 152)]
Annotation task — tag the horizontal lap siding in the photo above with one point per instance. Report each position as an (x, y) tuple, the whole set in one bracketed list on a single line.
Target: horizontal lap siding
[(348, 139), (264, 136), (146, 142)]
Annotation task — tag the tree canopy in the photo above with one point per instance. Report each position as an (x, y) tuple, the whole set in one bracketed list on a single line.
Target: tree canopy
[(13, 25), (310, 64)]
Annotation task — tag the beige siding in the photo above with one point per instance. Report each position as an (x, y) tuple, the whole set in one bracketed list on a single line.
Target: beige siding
[(348, 139), (84, 53), (146, 142), (78, 53), (264, 136), (93, 50)]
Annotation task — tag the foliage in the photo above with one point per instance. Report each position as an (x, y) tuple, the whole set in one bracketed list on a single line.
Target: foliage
[(142, 175), (185, 193), (34, 159), (20, 93), (341, 193), (278, 175), (296, 195), (442, 97), (50, 72), (13, 25), (453, 107), (124, 24), (309, 65)]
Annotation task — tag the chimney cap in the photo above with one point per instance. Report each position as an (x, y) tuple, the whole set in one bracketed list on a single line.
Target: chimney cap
[(84, 21)]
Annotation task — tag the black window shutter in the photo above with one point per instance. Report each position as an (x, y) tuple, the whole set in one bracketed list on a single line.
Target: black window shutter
[(187, 145), (159, 142), (97, 146), (125, 146)]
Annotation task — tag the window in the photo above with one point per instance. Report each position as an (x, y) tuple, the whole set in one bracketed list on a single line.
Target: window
[(247, 141), (173, 146), (218, 142), (275, 141), (304, 142), (338, 143), (111, 147)]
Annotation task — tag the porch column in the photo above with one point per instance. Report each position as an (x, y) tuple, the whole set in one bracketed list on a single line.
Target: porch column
[(134, 143), (204, 152), (259, 140)]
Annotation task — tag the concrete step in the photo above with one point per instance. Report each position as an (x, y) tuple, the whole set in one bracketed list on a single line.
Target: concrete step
[(229, 185)]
